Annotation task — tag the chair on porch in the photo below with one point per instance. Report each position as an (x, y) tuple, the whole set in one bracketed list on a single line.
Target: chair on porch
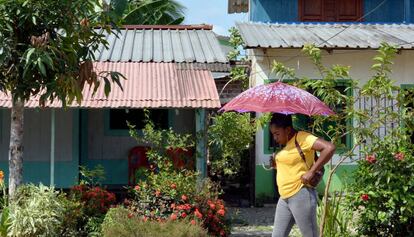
[(137, 160)]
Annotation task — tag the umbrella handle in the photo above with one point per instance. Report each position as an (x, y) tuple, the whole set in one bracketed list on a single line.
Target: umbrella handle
[(268, 169)]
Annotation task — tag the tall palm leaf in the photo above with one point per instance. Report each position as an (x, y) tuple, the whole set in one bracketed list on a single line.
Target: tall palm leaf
[(149, 12)]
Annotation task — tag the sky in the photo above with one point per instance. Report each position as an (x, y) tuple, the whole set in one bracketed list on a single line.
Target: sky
[(212, 12)]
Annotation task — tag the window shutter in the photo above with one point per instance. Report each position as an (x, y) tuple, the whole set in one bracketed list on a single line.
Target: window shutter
[(311, 10), (330, 10), (349, 10)]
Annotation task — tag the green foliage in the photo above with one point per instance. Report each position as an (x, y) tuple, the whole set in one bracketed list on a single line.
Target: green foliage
[(36, 212), (229, 135), (339, 216), (381, 192), (92, 177), (167, 192), (119, 222), (240, 71), (148, 12), (47, 48)]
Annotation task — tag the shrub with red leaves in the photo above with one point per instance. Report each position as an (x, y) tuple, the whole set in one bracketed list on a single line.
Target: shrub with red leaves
[(96, 200)]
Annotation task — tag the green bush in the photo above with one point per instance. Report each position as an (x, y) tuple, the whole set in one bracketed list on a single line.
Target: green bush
[(120, 222), (36, 212), (383, 189)]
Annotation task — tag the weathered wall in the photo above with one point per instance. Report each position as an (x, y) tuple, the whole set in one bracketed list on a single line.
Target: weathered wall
[(37, 140)]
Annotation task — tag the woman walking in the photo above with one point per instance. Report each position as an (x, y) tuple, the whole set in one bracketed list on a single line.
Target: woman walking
[(296, 168)]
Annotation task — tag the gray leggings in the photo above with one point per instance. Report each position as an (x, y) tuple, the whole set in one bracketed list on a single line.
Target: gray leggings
[(299, 209)]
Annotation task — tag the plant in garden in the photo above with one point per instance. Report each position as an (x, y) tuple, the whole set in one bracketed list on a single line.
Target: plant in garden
[(168, 193), (366, 121), (47, 51), (229, 135), (92, 200), (37, 211), (382, 190), (119, 222)]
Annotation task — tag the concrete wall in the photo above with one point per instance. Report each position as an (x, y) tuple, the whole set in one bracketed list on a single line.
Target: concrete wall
[(360, 62)]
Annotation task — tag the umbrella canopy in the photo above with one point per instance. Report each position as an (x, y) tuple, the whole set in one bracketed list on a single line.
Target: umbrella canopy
[(278, 97)]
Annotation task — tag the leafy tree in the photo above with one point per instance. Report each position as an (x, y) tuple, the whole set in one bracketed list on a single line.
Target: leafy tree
[(47, 51), (148, 12)]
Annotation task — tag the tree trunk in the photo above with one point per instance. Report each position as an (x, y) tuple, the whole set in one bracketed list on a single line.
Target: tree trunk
[(16, 147)]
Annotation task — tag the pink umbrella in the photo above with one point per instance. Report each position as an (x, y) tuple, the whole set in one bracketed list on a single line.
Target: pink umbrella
[(278, 97)]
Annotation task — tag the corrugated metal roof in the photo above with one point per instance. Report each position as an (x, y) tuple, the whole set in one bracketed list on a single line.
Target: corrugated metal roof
[(238, 6), (355, 36), (163, 44), (149, 85)]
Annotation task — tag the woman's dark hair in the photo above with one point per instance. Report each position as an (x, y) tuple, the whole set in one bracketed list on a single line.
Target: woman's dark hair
[(281, 120)]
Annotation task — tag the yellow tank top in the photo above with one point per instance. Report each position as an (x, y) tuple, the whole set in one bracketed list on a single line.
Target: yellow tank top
[(290, 166)]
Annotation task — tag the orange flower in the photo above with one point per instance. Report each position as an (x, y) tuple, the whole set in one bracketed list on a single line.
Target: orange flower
[(173, 217), (1, 175), (173, 186), (198, 214), (193, 222), (221, 212), (157, 193), (371, 159), (184, 198), (399, 156)]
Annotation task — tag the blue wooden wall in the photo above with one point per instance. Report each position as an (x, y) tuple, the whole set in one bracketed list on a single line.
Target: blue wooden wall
[(392, 11)]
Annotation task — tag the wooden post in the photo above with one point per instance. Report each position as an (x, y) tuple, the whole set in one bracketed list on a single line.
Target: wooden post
[(201, 156)]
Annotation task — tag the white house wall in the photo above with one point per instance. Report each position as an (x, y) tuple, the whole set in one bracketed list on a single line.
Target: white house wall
[(359, 60)]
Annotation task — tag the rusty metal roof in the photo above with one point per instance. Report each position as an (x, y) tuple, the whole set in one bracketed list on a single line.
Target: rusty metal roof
[(148, 85), (137, 43), (326, 35)]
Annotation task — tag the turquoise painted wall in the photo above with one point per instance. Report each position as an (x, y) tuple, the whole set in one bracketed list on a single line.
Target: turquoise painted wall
[(66, 172), (287, 11)]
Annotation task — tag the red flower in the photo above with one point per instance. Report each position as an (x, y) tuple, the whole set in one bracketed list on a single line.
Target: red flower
[(173, 186), (137, 188), (183, 215), (365, 197), (198, 214), (212, 206), (173, 217), (193, 222), (173, 205), (184, 198), (371, 159), (221, 212), (399, 156), (130, 215), (222, 233)]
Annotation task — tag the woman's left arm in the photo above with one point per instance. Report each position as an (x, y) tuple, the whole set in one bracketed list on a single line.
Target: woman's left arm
[(326, 150)]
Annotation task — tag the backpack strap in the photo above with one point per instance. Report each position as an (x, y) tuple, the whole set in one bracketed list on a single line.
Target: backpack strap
[(300, 151)]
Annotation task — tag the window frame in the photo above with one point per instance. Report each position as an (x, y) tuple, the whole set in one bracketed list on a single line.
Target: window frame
[(404, 87), (125, 132), (267, 150)]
